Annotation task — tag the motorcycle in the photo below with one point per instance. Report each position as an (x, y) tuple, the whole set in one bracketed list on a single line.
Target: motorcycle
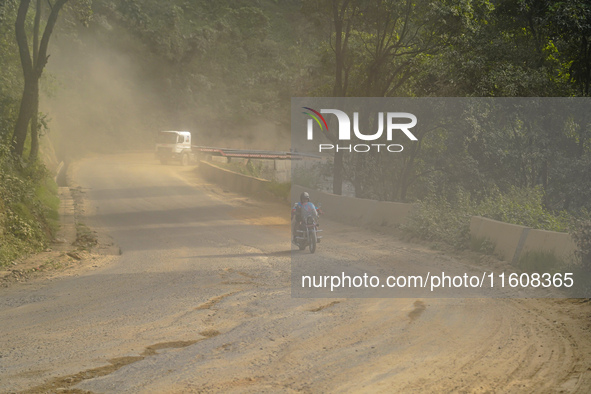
[(307, 232)]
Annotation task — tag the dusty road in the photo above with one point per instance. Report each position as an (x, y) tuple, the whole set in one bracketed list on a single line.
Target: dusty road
[(199, 301)]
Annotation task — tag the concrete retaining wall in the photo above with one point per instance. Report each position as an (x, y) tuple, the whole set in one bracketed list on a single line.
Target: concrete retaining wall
[(232, 180), (278, 170), (561, 244), (356, 210), (512, 241), (387, 213), (505, 236)]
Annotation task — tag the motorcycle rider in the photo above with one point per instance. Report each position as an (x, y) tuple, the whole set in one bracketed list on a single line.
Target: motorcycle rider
[(299, 209)]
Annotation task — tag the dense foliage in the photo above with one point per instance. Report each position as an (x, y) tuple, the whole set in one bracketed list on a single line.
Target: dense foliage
[(441, 218), (28, 195), (28, 208), (226, 69)]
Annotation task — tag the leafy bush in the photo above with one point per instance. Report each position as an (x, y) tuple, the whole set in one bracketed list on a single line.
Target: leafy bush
[(524, 207), (438, 219), (280, 189), (581, 267), (539, 262), (308, 177), (582, 237), (28, 207), (254, 169), (482, 245)]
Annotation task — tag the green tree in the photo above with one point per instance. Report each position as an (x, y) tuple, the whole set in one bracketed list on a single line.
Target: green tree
[(33, 61), (10, 81)]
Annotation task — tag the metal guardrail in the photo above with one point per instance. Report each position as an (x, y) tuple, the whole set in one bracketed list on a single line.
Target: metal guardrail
[(253, 154)]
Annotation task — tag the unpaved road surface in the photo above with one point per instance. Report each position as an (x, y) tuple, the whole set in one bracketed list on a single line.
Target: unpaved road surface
[(200, 301)]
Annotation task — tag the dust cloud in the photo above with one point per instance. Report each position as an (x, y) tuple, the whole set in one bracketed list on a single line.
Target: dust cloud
[(105, 97)]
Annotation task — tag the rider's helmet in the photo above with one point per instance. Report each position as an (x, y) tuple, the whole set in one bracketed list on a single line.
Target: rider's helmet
[(304, 197)]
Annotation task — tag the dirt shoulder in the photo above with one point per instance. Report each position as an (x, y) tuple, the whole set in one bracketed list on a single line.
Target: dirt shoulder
[(76, 247)]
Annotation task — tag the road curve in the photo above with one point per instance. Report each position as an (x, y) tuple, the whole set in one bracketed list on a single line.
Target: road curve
[(200, 301)]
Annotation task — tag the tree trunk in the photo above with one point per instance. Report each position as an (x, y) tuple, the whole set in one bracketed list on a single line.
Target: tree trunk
[(34, 123), (339, 49), (358, 176), (360, 158), (339, 11), (30, 95), (24, 115), (406, 173), (544, 175), (337, 180), (35, 131)]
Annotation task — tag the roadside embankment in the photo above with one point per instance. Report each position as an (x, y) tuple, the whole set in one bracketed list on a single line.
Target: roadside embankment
[(276, 170), (232, 180), (241, 183), (357, 210), (511, 242), (28, 208)]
